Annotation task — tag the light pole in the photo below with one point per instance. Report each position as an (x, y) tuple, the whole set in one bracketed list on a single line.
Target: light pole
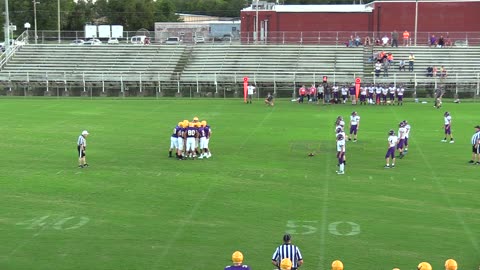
[(27, 26), (58, 20), (35, 18), (7, 27), (256, 24)]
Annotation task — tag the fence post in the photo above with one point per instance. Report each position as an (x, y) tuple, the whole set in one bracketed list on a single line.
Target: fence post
[(46, 76), (415, 85), (198, 88), (456, 85), (65, 80), (84, 87), (141, 84), (275, 84), (216, 85), (103, 84), (395, 80)]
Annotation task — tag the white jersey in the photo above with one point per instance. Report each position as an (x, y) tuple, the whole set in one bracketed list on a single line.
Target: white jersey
[(341, 123), (363, 91), (391, 89), (378, 90), (320, 89), (407, 130), (371, 89), (402, 132), (392, 140), (448, 120), (354, 120), (384, 91), (335, 88), (341, 145), (400, 91), (338, 127), (344, 91), (251, 89)]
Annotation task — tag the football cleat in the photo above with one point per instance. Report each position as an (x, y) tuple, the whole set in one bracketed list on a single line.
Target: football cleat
[(443, 140), (452, 141)]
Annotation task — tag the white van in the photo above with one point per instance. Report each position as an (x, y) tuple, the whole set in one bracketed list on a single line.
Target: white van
[(138, 40)]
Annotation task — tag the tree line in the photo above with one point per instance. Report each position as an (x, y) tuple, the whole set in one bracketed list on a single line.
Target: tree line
[(132, 14)]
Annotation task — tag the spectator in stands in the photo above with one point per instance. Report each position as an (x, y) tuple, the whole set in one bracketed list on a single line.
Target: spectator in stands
[(448, 42), (441, 42), (429, 71), (406, 37), (443, 72), (385, 40), (358, 41), (390, 58), (433, 41), (411, 62), (395, 38), (367, 41), (378, 68), (434, 71), (385, 66), (401, 65), (351, 42)]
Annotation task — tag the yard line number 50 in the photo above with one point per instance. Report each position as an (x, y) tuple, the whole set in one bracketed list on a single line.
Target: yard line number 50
[(305, 227)]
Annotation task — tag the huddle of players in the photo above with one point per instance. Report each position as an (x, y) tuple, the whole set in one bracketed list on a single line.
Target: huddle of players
[(399, 143), (341, 138), (191, 139)]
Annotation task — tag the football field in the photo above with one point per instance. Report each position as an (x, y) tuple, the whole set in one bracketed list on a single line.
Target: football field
[(135, 208)]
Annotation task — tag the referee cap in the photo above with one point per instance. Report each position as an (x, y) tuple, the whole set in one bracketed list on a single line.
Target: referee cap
[(287, 237), (451, 264), (337, 265), (477, 126), (424, 266), (286, 264), (237, 257), (85, 132)]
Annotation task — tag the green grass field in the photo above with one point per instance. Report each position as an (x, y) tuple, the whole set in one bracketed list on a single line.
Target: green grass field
[(135, 208)]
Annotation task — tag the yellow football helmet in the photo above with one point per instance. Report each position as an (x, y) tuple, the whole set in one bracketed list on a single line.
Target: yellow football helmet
[(191, 124), (286, 264), (237, 257), (195, 119), (180, 124), (451, 264), (424, 266), (337, 265), (204, 123)]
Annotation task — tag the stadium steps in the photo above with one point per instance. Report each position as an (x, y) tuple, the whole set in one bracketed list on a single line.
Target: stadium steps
[(181, 63)]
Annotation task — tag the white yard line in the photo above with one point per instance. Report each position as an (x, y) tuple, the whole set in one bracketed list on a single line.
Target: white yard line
[(259, 125), (323, 223)]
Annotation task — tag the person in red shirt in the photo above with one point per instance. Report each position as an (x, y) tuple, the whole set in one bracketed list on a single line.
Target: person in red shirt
[(313, 93), (301, 92)]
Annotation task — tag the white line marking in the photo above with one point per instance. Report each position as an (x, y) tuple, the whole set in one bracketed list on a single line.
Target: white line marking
[(181, 228), (323, 224), (261, 124), (59, 172), (24, 243), (159, 174)]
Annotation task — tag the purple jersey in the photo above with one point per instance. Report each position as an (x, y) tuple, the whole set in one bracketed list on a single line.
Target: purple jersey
[(352, 90), (237, 267), (191, 132), (176, 131), (207, 131), (201, 132)]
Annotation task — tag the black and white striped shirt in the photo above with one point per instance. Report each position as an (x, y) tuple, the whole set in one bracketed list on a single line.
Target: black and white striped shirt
[(287, 251), (82, 141), (475, 138)]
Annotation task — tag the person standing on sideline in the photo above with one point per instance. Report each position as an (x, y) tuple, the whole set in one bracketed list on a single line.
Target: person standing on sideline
[(337, 265), (287, 250), (354, 126), (81, 147), (174, 140), (411, 61), (250, 92), (237, 259), (392, 142), (476, 147), (448, 127)]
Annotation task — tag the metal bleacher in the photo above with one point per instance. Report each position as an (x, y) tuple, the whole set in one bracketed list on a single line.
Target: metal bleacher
[(35, 63), (265, 63)]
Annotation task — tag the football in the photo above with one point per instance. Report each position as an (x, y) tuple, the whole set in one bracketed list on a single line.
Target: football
[(311, 154)]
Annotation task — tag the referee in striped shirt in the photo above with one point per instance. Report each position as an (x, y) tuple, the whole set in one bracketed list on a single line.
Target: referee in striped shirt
[(287, 250), (476, 147), (81, 146)]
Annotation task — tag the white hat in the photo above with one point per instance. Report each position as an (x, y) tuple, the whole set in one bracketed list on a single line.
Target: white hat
[(84, 132)]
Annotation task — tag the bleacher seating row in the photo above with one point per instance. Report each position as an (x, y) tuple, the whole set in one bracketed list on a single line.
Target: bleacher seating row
[(209, 63)]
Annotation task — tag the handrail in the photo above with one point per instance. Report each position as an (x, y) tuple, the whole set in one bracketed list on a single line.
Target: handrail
[(17, 44)]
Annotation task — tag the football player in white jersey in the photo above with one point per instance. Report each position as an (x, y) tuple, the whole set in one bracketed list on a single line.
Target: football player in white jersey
[(363, 95), (392, 142), (341, 153), (401, 139), (384, 94), (378, 94), (344, 91), (400, 91), (354, 126), (448, 127), (391, 94), (407, 133)]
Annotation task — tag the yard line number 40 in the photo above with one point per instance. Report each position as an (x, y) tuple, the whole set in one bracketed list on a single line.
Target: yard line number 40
[(305, 227), (60, 224)]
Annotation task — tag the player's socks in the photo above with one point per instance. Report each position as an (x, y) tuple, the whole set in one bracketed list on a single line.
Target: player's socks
[(342, 167)]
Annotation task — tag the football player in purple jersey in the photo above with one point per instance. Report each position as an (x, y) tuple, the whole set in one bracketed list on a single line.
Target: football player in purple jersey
[(190, 135), (174, 140), (208, 134), (237, 259)]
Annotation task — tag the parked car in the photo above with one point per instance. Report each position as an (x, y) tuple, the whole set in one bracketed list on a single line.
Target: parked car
[(173, 41), (199, 39), (77, 42), (112, 41), (2, 46), (93, 41), (138, 40)]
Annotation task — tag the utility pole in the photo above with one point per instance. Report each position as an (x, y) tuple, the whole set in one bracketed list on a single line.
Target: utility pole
[(7, 27)]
